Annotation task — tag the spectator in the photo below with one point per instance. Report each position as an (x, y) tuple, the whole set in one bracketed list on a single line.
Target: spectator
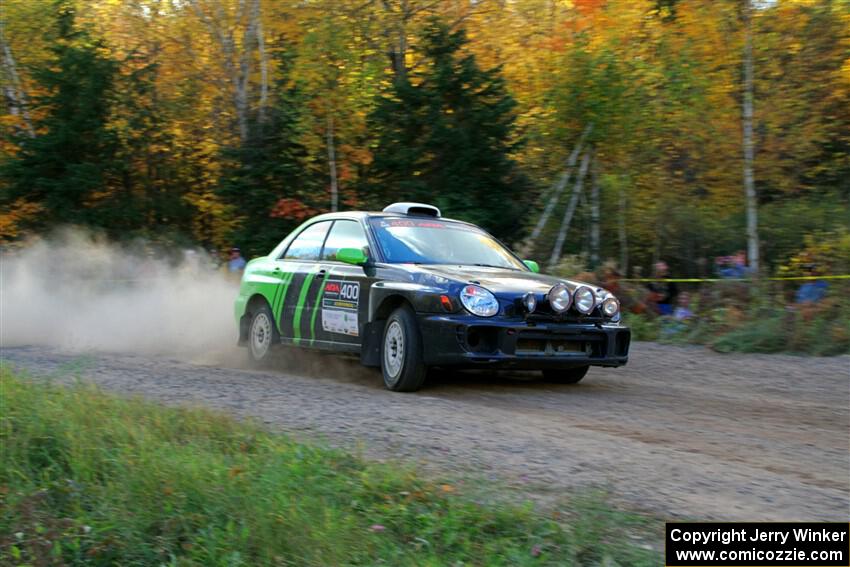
[(811, 291), (662, 294), (732, 267), (628, 298), (236, 263), (215, 258), (683, 307)]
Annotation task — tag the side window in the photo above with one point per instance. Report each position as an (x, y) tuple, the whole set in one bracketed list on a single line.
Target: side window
[(345, 234), (308, 244)]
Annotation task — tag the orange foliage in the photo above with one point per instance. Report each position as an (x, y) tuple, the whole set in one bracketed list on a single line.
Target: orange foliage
[(292, 209)]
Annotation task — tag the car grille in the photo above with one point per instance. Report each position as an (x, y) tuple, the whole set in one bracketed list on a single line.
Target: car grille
[(594, 345)]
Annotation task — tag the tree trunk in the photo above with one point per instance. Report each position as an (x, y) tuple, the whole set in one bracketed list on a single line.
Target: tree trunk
[(15, 96), (238, 75), (749, 181), (594, 216), (264, 63), (329, 136), (397, 48), (624, 243), (571, 208), (557, 190)]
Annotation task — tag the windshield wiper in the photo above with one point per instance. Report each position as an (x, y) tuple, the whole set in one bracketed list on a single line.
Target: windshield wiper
[(492, 266)]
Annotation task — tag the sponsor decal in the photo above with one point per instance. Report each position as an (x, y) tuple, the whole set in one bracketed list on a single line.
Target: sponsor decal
[(340, 321), (412, 223), (340, 303)]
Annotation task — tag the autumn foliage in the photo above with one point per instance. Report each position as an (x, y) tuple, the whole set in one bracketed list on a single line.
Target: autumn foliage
[(228, 122)]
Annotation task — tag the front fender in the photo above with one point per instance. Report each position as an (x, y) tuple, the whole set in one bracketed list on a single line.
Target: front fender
[(423, 298)]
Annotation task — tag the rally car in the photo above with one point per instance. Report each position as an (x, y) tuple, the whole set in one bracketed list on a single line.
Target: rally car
[(406, 290)]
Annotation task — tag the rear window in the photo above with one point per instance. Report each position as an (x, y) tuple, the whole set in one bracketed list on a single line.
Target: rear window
[(308, 244)]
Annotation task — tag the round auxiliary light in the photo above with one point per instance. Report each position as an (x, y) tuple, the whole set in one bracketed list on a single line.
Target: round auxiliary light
[(559, 297), (585, 300), (529, 300), (610, 307)]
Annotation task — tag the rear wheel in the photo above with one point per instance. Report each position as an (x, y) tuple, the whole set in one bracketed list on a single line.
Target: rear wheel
[(401, 352), (262, 335), (566, 375)]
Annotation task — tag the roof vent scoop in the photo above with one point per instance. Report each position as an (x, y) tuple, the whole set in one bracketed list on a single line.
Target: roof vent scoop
[(413, 209)]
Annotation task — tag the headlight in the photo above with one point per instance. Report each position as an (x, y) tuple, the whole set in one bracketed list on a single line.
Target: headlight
[(529, 300), (585, 300), (610, 307), (559, 298), (479, 301)]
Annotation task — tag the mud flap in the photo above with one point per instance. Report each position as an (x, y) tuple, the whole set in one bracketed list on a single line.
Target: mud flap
[(370, 350)]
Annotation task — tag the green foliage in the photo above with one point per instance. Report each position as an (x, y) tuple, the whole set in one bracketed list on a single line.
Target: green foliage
[(70, 164), (825, 332), (772, 325), (823, 252), (270, 166), (445, 136), (91, 479)]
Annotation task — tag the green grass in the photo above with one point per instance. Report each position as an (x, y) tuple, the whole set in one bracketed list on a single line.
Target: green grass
[(88, 478)]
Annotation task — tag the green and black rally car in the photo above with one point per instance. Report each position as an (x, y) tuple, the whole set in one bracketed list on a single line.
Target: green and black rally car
[(408, 290)]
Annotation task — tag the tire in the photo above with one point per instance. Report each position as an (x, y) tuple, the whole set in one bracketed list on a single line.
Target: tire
[(566, 375), (401, 352), (262, 335)]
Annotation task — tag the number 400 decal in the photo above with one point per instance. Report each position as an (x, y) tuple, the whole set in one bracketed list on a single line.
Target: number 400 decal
[(341, 294)]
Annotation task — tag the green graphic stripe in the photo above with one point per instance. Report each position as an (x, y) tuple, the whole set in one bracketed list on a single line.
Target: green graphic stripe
[(317, 306), (285, 281), (299, 307)]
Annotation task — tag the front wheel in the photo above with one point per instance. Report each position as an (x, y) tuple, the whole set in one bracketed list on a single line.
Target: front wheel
[(566, 375), (262, 335), (401, 352)]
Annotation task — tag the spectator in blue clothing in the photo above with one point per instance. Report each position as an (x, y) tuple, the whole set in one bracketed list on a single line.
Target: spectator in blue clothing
[(812, 291), (733, 267), (236, 263)]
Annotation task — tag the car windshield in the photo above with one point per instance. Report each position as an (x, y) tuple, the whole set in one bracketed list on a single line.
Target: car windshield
[(434, 241)]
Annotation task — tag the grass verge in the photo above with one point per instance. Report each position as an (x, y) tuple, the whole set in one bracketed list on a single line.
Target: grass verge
[(88, 478)]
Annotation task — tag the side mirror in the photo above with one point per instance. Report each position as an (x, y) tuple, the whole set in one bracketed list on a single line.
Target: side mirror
[(532, 265), (352, 256)]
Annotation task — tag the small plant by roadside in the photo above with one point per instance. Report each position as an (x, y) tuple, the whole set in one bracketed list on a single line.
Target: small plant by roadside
[(88, 478), (771, 326)]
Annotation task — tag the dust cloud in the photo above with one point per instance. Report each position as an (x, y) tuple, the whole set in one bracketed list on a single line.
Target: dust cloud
[(76, 291)]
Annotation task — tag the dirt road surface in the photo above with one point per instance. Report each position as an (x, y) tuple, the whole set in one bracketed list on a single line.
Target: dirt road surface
[(679, 432)]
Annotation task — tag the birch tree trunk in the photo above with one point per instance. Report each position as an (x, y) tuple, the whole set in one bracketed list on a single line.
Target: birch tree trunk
[(594, 216), (624, 243), (571, 208), (237, 66), (749, 181), (264, 63), (558, 188), (329, 135), (16, 98)]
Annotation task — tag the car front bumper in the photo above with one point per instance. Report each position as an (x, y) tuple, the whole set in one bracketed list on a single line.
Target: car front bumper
[(469, 341)]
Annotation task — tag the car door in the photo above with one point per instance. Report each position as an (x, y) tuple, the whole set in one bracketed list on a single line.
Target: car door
[(341, 306), (301, 274)]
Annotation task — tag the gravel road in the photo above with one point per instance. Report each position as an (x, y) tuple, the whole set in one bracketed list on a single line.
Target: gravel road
[(679, 432)]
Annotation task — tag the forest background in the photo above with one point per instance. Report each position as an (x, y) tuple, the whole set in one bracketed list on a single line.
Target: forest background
[(591, 130)]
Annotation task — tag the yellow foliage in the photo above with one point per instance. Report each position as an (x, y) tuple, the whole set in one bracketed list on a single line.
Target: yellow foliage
[(12, 218)]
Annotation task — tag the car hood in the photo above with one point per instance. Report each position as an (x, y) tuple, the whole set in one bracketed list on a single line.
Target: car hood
[(500, 281)]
